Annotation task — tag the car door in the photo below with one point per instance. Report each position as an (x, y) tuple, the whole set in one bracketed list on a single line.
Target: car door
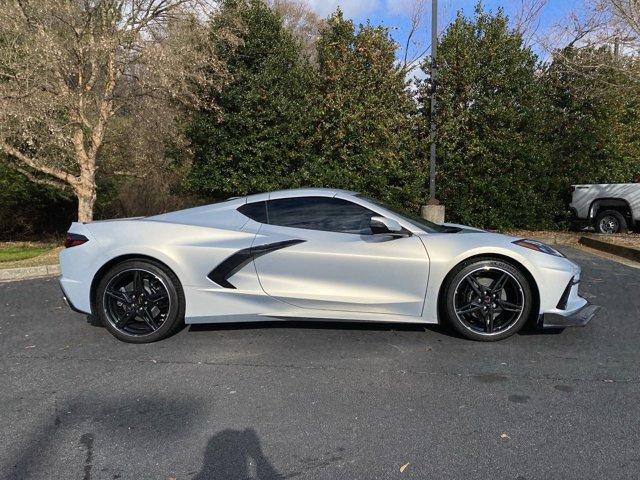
[(322, 255)]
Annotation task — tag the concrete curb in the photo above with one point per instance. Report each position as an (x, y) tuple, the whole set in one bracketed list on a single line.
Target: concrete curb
[(26, 273), (626, 252)]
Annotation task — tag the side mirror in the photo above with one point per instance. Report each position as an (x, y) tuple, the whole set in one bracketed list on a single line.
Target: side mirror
[(383, 225)]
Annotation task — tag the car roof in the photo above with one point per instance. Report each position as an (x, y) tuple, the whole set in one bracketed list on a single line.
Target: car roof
[(298, 192)]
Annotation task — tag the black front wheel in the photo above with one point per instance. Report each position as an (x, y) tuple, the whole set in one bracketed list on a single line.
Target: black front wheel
[(487, 299), (140, 301)]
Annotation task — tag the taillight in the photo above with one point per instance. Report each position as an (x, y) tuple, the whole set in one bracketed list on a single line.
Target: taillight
[(73, 240)]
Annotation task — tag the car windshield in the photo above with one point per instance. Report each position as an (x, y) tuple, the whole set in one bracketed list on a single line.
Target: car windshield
[(421, 223)]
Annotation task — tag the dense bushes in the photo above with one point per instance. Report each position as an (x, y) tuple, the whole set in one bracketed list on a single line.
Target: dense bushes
[(259, 140), (364, 137), (494, 160), (594, 117), (513, 134), (28, 210)]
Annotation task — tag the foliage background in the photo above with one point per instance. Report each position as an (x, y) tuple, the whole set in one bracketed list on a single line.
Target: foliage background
[(329, 104)]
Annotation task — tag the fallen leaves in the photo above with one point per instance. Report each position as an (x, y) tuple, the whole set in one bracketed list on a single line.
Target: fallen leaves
[(403, 467), (504, 436)]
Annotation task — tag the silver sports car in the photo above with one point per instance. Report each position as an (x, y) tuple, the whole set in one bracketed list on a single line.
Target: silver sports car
[(313, 254)]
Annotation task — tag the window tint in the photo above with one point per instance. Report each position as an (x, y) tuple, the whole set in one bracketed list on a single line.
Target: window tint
[(320, 213), (255, 211)]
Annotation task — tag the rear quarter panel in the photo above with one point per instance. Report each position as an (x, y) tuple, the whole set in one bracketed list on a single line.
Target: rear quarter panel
[(190, 251)]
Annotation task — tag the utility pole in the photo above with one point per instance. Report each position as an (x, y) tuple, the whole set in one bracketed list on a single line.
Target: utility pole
[(433, 211), (432, 129)]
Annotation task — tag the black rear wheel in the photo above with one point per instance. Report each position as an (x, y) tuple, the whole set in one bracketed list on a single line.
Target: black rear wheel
[(140, 301), (487, 299)]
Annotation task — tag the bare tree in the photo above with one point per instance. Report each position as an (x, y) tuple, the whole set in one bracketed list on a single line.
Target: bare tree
[(613, 23), (67, 67), (601, 24), (617, 22), (415, 23), (301, 20), (527, 18)]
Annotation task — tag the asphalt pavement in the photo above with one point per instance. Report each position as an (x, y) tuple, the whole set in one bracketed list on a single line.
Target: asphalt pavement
[(313, 400)]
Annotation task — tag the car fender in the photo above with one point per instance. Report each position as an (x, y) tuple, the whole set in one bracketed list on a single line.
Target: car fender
[(550, 274)]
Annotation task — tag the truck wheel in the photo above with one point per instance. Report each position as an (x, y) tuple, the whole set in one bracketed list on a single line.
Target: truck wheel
[(610, 221)]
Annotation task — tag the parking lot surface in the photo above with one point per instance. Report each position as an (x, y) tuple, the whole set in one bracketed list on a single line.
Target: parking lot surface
[(320, 400)]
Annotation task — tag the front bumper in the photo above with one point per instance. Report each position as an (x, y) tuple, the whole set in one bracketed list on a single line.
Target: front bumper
[(577, 318), (572, 310)]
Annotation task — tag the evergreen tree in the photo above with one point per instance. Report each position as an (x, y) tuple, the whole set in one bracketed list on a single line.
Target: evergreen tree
[(364, 138), (596, 117), (259, 140), (493, 159)]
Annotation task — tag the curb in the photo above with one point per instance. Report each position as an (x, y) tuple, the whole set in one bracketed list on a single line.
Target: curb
[(27, 273), (626, 252)]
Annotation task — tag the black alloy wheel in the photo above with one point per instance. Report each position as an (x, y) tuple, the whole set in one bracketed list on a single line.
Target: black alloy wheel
[(488, 300), (140, 301)]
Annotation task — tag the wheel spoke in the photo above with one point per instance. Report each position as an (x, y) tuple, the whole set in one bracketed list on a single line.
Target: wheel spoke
[(125, 319), (138, 282), (148, 319), (499, 284), (508, 306), (489, 321), (158, 296), (475, 285), (118, 296), (471, 307)]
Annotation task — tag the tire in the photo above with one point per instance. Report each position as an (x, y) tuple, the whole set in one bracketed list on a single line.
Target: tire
[(136, 317), (610, 221), (478, 314)]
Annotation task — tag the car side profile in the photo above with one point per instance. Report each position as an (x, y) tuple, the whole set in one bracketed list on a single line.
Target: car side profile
[(313, 254)]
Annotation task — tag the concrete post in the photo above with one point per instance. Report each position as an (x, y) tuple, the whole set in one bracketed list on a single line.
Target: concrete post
[(433, 212)]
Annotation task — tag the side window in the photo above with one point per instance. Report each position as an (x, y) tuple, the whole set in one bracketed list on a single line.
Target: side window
[(320, 213), (255, 211)]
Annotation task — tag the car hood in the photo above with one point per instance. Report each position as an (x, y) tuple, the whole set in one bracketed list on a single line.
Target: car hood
[(464, 228)]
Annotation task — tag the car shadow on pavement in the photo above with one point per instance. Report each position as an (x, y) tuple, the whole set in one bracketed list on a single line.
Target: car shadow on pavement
[(309, 324), (439, 330), (529, 329), (236, 455)]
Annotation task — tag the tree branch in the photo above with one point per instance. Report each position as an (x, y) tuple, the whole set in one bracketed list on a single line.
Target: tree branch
[(123, 173), (41, 181), (36, 165)]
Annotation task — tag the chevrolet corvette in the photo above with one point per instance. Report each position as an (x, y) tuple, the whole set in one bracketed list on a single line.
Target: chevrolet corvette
[(321, 254)]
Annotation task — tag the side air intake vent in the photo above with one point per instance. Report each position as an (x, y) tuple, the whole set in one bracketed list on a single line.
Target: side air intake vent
[(228, 267)]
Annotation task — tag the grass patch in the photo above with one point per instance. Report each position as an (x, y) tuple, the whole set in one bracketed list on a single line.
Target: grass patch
[(13, 253)]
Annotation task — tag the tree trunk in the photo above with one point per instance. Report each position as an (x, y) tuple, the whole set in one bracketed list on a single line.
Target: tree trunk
[(85, 184), (86, 199)]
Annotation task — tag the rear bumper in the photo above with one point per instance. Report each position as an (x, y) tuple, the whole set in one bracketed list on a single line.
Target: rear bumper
[(576, 318), (68, 302)]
